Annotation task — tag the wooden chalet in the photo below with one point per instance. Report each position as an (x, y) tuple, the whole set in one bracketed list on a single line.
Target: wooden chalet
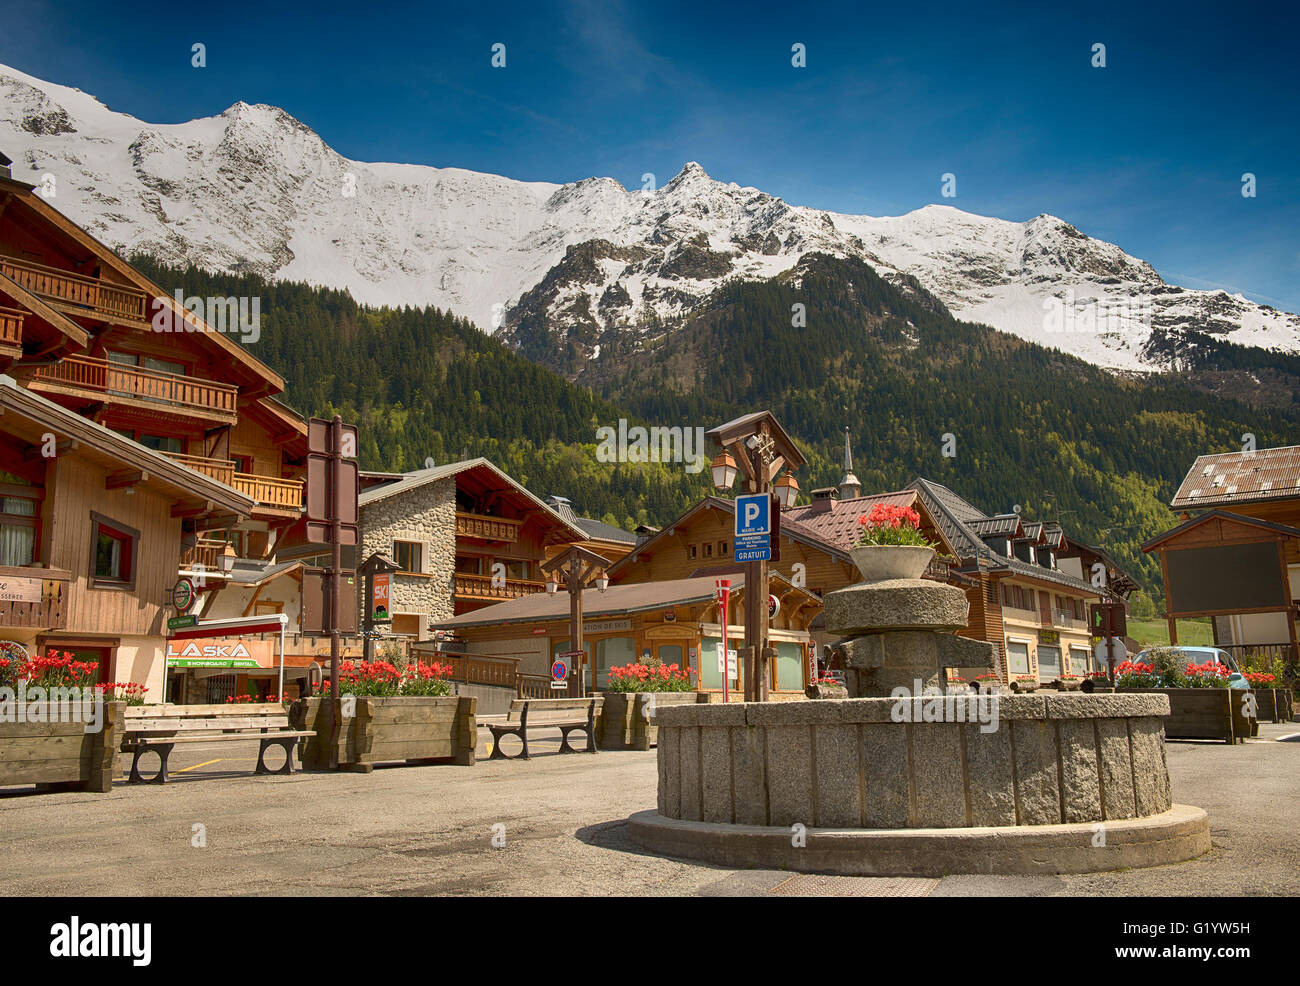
[(1236, 555), (82, 329)]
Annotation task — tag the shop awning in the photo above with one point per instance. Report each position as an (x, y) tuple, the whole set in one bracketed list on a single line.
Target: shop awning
[(236, 626)]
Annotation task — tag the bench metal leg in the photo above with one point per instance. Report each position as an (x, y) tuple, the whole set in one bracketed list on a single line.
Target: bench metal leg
[(164, 750), (286, 745), (498, 754), (564, 739)]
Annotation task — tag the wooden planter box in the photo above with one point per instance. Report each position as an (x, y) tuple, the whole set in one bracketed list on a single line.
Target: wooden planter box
[(61, 755), (1271, 706), (1285, 699), (624, 723), (1206, 713), (398, 728)]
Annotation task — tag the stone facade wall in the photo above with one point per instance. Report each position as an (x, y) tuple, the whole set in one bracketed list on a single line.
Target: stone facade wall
[(1049, 759), (426, 515)]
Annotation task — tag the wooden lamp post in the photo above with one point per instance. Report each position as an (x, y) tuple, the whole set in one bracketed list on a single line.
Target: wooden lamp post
[(758, 446), (577, 568)]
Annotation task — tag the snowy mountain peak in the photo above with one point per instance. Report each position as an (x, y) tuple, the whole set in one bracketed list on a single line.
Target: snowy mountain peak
[(255, 189)]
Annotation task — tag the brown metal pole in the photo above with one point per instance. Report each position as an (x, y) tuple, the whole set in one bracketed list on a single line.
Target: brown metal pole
[(574, 581), (335, 587)]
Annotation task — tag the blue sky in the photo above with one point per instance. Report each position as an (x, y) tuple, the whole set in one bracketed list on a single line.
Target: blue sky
[(1147, 152)]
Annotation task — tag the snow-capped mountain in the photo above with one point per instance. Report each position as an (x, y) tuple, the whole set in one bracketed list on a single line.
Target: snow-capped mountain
[(255, 190)]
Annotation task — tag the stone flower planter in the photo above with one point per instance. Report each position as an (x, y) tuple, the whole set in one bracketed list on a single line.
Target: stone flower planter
[(878, 562), (387, 729), (61, 755), (625, 722)]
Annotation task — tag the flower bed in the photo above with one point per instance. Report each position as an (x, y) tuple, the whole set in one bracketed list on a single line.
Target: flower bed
[(1206, 713), (652, 676), (387, 714)]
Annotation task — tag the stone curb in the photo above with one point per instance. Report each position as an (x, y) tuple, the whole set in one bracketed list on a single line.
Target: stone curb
[(1177, 835)]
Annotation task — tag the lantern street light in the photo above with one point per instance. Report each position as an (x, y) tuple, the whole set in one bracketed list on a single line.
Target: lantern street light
[(724, 471), (761, 448), (602, 582), (787, 490)]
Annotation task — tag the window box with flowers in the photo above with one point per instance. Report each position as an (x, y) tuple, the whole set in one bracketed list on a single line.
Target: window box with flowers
[(1025, 683), (387, 714), (988, 684), (890, 544), (59, 742), (630, 698)]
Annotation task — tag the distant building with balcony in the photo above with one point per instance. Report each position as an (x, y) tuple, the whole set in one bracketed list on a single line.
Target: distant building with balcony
[(464, 535)]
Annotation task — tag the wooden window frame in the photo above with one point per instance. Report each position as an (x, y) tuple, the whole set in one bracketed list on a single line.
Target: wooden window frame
[(409, 571), (130, 534), (36, 493)]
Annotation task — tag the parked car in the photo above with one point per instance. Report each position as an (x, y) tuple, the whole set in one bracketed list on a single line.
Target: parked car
[(1200, 655)]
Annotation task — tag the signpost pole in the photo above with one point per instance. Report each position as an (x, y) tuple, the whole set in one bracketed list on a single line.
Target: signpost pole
[(578, 664), (724, 598)]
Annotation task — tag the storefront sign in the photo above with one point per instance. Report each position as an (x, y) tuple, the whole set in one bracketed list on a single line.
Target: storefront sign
[(379, 604), (183, 596), (1049, 636), (19, 590), (607, 626), (180, 622), (211, 662), (219, 652)]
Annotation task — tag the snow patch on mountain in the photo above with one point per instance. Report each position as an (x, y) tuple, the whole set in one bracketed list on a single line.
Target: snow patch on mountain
[(254, 189)]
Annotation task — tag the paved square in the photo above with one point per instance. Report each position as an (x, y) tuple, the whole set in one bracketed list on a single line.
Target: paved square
[(429, 830)]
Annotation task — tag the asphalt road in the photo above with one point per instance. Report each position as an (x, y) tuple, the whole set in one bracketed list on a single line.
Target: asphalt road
[(430, 830)]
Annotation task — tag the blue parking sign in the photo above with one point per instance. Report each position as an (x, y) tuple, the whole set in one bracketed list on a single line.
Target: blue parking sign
[(753, 516)]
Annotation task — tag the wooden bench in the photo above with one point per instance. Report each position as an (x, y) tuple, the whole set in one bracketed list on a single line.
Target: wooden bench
[(159, 728), (567, 714)]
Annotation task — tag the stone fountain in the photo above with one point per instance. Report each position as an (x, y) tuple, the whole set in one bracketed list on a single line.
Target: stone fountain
[(901, 779)]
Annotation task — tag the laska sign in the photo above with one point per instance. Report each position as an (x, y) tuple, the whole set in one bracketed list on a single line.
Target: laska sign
[(219, 654)]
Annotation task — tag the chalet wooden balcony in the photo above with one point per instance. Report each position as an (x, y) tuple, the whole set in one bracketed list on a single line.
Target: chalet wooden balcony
[(11, 327), (34, 597), (271, 492), (70, 290), (267, 490), (205, 556), (488, 528), (101, 376), (469, 586)]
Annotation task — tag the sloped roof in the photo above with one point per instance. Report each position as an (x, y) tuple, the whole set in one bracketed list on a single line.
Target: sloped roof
[(1003, 525), (959, 521), (597, 530), (617, 600), (1212, 515), (421, 477), (837, 524), (1240, 477)]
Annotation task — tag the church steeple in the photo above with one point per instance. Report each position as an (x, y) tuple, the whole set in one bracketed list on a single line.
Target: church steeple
[(850, 487)]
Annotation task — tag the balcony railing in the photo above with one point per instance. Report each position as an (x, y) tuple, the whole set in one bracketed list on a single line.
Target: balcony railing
[(204, 556), (483, 587), (222, 470), (49, 612), (266, 490), (489, 528), (101, 297), (105, 377), (11, 327)]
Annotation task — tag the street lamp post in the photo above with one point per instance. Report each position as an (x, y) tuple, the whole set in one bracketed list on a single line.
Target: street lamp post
[(577, 568), (759, 446)]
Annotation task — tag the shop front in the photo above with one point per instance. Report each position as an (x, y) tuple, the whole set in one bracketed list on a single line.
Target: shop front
[(676, 622), (211, 662)]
